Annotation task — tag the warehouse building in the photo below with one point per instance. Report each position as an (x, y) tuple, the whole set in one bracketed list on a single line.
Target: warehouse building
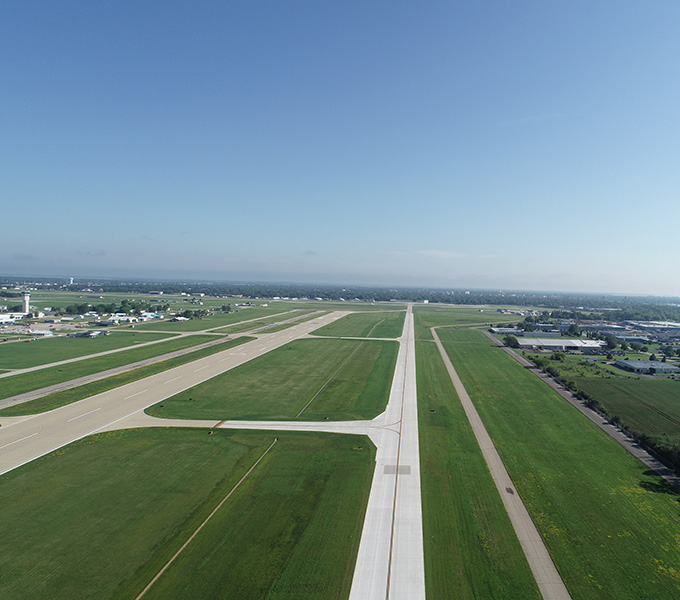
[(646, 366), (556, 345)]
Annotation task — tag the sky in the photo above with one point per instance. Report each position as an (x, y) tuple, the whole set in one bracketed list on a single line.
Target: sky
[(456, 144)]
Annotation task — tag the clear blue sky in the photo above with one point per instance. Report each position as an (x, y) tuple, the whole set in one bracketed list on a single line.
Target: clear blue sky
[(526, 145)]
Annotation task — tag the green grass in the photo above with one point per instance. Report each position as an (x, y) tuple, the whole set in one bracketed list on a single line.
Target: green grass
[(611, 525), (279, 384), (428, 316), (211, 321), (290, 531), (645, 405), (53, 349), (97, 387), (470, 545), (378, 324), (26, 382)]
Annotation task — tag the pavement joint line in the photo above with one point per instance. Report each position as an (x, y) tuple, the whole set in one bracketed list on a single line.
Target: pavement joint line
[(133, 395), (89, 412), (20, 440), (195, 533)]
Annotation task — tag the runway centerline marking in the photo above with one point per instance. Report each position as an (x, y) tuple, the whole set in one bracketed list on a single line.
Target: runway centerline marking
[(173, 379), (137, 394), (89, 412), (19, 440)]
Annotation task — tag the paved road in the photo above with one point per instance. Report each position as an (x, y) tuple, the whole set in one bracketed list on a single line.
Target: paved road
[(547, 578), (23, 439)]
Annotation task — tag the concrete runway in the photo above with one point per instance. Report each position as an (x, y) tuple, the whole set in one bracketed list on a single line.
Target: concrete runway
[(23, 439)]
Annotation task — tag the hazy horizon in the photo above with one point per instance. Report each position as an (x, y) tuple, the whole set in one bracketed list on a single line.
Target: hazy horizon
[(485, 145)]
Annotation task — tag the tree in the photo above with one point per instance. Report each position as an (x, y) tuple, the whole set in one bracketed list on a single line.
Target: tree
[(574, 330), (511, 341), (611, 342), (652, 357), (624, 346)]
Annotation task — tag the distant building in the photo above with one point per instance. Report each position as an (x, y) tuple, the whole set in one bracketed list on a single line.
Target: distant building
[(646, 366), (507, 331), (560, 344)]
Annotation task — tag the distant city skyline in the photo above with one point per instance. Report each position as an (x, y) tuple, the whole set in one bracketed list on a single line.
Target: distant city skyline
[(485, 145)]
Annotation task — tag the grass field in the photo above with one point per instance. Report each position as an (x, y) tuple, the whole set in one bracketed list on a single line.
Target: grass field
[(290, 531), (53, 349), (97, 387), (282, 383), (374, 324), (428, 316), (25, 382), (212, 321), (470, 545), (611, 526), (646, 406)]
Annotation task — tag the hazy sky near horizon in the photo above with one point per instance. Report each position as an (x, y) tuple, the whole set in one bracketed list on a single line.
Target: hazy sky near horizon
[(523, 145)]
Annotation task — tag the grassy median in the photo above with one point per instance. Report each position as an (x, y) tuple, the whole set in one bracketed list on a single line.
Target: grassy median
[(470, 545), (377, 324), (100, 517), (611, 526), (280, 384)]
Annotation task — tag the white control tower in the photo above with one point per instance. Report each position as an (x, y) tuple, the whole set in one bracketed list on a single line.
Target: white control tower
[(25, 298)]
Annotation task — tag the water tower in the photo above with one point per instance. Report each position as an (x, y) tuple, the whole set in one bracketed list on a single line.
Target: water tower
[(25, 298)]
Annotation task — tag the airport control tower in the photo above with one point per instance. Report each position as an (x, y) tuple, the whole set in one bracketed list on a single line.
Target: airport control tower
[(25, 298)]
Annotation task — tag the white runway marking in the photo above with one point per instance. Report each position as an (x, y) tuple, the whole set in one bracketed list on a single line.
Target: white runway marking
[(89, 412), (173, 379), (133, 395), (201, 368), (20, 440)]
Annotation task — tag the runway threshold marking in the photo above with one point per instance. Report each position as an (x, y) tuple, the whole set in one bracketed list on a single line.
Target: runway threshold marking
[(89, 412), (19, 440), (195, 533)]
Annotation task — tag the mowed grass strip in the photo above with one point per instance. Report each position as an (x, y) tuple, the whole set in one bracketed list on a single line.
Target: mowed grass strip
[(279, 384), (651, 407), (436, 316), (26, 382), (378, 324), (52, 349), (611, 526), (97, 387), (470, 546), (291, 530)]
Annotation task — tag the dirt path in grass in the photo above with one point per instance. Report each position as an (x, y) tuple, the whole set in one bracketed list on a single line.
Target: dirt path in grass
[(547, 578)]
